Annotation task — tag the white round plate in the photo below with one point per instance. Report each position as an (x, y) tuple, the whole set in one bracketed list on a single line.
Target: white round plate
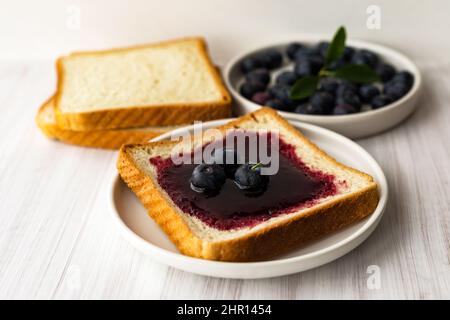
[(354, 126), (141, 231)]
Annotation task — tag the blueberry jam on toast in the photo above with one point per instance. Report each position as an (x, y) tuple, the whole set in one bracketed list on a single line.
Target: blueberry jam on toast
[(233, 206)]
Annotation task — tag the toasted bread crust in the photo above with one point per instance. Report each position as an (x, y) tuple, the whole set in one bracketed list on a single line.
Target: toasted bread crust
[(257, 244), (104, 139), (139, 116)]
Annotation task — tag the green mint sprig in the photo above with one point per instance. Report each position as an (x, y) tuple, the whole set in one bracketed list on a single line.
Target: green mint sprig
[(306, 86)]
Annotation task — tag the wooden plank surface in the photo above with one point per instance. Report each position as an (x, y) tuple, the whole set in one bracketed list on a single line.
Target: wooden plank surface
[(57, 241)]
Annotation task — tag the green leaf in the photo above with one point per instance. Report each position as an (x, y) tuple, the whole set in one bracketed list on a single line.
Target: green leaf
[(336, 47), (304, 87), (358, 73)]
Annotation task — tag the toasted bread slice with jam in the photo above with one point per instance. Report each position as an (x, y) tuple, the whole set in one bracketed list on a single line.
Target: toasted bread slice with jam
[(169, 83), (354, 197)]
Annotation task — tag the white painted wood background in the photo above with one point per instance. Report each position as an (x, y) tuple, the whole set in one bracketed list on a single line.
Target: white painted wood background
[(57, 241)]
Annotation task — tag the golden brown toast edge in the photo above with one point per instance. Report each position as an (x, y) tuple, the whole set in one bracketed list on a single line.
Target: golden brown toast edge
[(104, 139)]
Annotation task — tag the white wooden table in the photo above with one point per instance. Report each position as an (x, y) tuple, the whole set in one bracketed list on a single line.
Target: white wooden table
[(57, 240)]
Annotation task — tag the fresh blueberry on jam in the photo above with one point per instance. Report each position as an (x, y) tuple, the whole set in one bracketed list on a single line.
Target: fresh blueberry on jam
[(343, 109), (228, 159), (292, 49), (208, 178), (258, 75), (385, 71), (380, 101), (250, 63), (286, 78), (249, 177), (323, 101), (248, 89), (261, 98), (271, 59), (368, 91)]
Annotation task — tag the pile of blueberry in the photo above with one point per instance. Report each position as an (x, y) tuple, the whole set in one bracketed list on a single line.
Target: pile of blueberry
[(333, 96), (209, 178)]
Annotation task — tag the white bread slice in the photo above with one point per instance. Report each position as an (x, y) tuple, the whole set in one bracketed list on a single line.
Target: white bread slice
[(357, 198), (167, 83), (105, 139)]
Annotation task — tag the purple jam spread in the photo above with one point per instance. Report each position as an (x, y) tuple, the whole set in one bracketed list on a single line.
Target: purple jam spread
[(295, 186)]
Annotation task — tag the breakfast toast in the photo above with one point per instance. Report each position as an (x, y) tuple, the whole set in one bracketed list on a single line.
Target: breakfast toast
[(353, 195), (163, 84)]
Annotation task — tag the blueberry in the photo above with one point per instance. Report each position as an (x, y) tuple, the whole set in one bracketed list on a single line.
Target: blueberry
[(385, 71), (345, 86), (371, 56), (405, 77), (292, 49), (207, 178), (328, 85), (336, 64), (260, 98), (316, 61), (365, 57), (322, 47), (368, 91), (349, 97), (281, 93), (248, 89), (228, 159), (249, 177), (271, 58), (277, 105), (306, 52), (343, 109), (286, 78), (323, 101), (304, 68), (309, 109), (348, 53), (249, 64), (396, 89), (301, 109), (380, 101), (258, 75)]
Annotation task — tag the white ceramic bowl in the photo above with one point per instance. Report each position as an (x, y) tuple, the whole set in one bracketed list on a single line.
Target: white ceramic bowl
[(142, 232), (355, 125)]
